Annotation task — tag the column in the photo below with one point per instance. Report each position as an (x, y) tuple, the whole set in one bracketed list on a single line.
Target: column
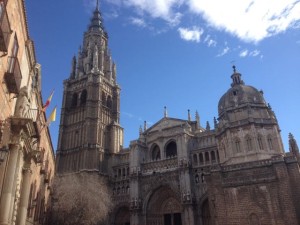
[(25, 191), (7, 194)]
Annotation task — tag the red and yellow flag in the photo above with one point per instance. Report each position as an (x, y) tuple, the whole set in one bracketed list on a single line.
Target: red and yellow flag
[(45, 106)]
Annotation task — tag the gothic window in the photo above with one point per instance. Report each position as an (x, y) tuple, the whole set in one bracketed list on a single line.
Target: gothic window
[(249, 143), (270, 142), (74, 100), (155, 153), (103, 98), (206, 157), (213, 156), (260, 143), (195, 159), (83, 97), (123, 172), (171, 149), (201, 158), (237, 145), (109, 102)]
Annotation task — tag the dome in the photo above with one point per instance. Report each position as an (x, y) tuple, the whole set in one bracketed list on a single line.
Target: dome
[(240, 94)]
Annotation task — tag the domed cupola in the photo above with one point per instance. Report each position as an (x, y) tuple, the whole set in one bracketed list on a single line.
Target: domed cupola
[(247, 129), (239, 95)]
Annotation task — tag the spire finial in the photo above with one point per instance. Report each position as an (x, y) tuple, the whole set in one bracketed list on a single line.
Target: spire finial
[(234, 68), (165, 112), (97, 5), (189, 115)]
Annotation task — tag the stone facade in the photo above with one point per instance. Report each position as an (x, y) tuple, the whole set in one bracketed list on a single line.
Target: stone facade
[(178, 172), (27, 169)]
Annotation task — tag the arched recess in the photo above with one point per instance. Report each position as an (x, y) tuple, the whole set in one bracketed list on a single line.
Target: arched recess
[(163, 207), (155, 152), (205, 213), (83, 97), (109, 102), (171, 149), (74, 100), (103, 98), (122, 216)]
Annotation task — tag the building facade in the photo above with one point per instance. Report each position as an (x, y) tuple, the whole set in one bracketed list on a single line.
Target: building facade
[(27, 156), (177, 172)]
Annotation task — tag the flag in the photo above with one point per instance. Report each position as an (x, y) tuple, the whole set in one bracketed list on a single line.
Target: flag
[(47, 102), (52, 116)]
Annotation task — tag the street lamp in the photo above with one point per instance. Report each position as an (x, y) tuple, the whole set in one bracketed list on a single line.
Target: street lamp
[(3, 153)]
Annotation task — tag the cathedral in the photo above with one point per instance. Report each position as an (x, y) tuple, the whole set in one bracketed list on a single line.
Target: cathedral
[(177, 172)]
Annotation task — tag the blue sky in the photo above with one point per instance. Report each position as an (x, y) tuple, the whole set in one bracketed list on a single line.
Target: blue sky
[(177, 53)]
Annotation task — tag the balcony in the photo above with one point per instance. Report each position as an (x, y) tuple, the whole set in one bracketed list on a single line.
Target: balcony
[(5, 30), (13, 75)]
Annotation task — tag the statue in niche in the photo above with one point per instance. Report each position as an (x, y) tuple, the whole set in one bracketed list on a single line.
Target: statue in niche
[(22, 104)]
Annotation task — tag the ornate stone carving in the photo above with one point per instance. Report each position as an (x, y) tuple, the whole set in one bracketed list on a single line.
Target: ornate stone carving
[(22, 104)]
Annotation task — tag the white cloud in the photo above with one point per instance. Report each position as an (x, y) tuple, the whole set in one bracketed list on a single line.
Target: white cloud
[(158, 9), (224, 51), (193, 34), (254, 53), (138, 22), (209, 41), (250, 20), (244, 53)]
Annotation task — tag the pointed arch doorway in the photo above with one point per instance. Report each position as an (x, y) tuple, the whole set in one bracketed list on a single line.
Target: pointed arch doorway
[(205, 213), (122, 217), (164, 208)]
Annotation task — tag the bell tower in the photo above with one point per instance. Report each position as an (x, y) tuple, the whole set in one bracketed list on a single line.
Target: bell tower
[(90, 115)]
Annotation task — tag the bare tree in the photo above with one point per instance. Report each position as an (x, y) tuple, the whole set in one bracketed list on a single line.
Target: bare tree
[(81, 199)]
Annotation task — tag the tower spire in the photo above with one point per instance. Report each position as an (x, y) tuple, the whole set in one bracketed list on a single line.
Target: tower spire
[(236, 77), (96, 21), (97, 5)]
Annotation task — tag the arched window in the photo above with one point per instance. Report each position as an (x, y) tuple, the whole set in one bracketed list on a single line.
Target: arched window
[(74, 100), (201, 158), (171, 149), (155, 153), (260, 143), (195, 159), (109, 102), (103, 98), (206, 157), (83, 97), (213, 156), (249, 143), (237, 145), (270, 142)]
